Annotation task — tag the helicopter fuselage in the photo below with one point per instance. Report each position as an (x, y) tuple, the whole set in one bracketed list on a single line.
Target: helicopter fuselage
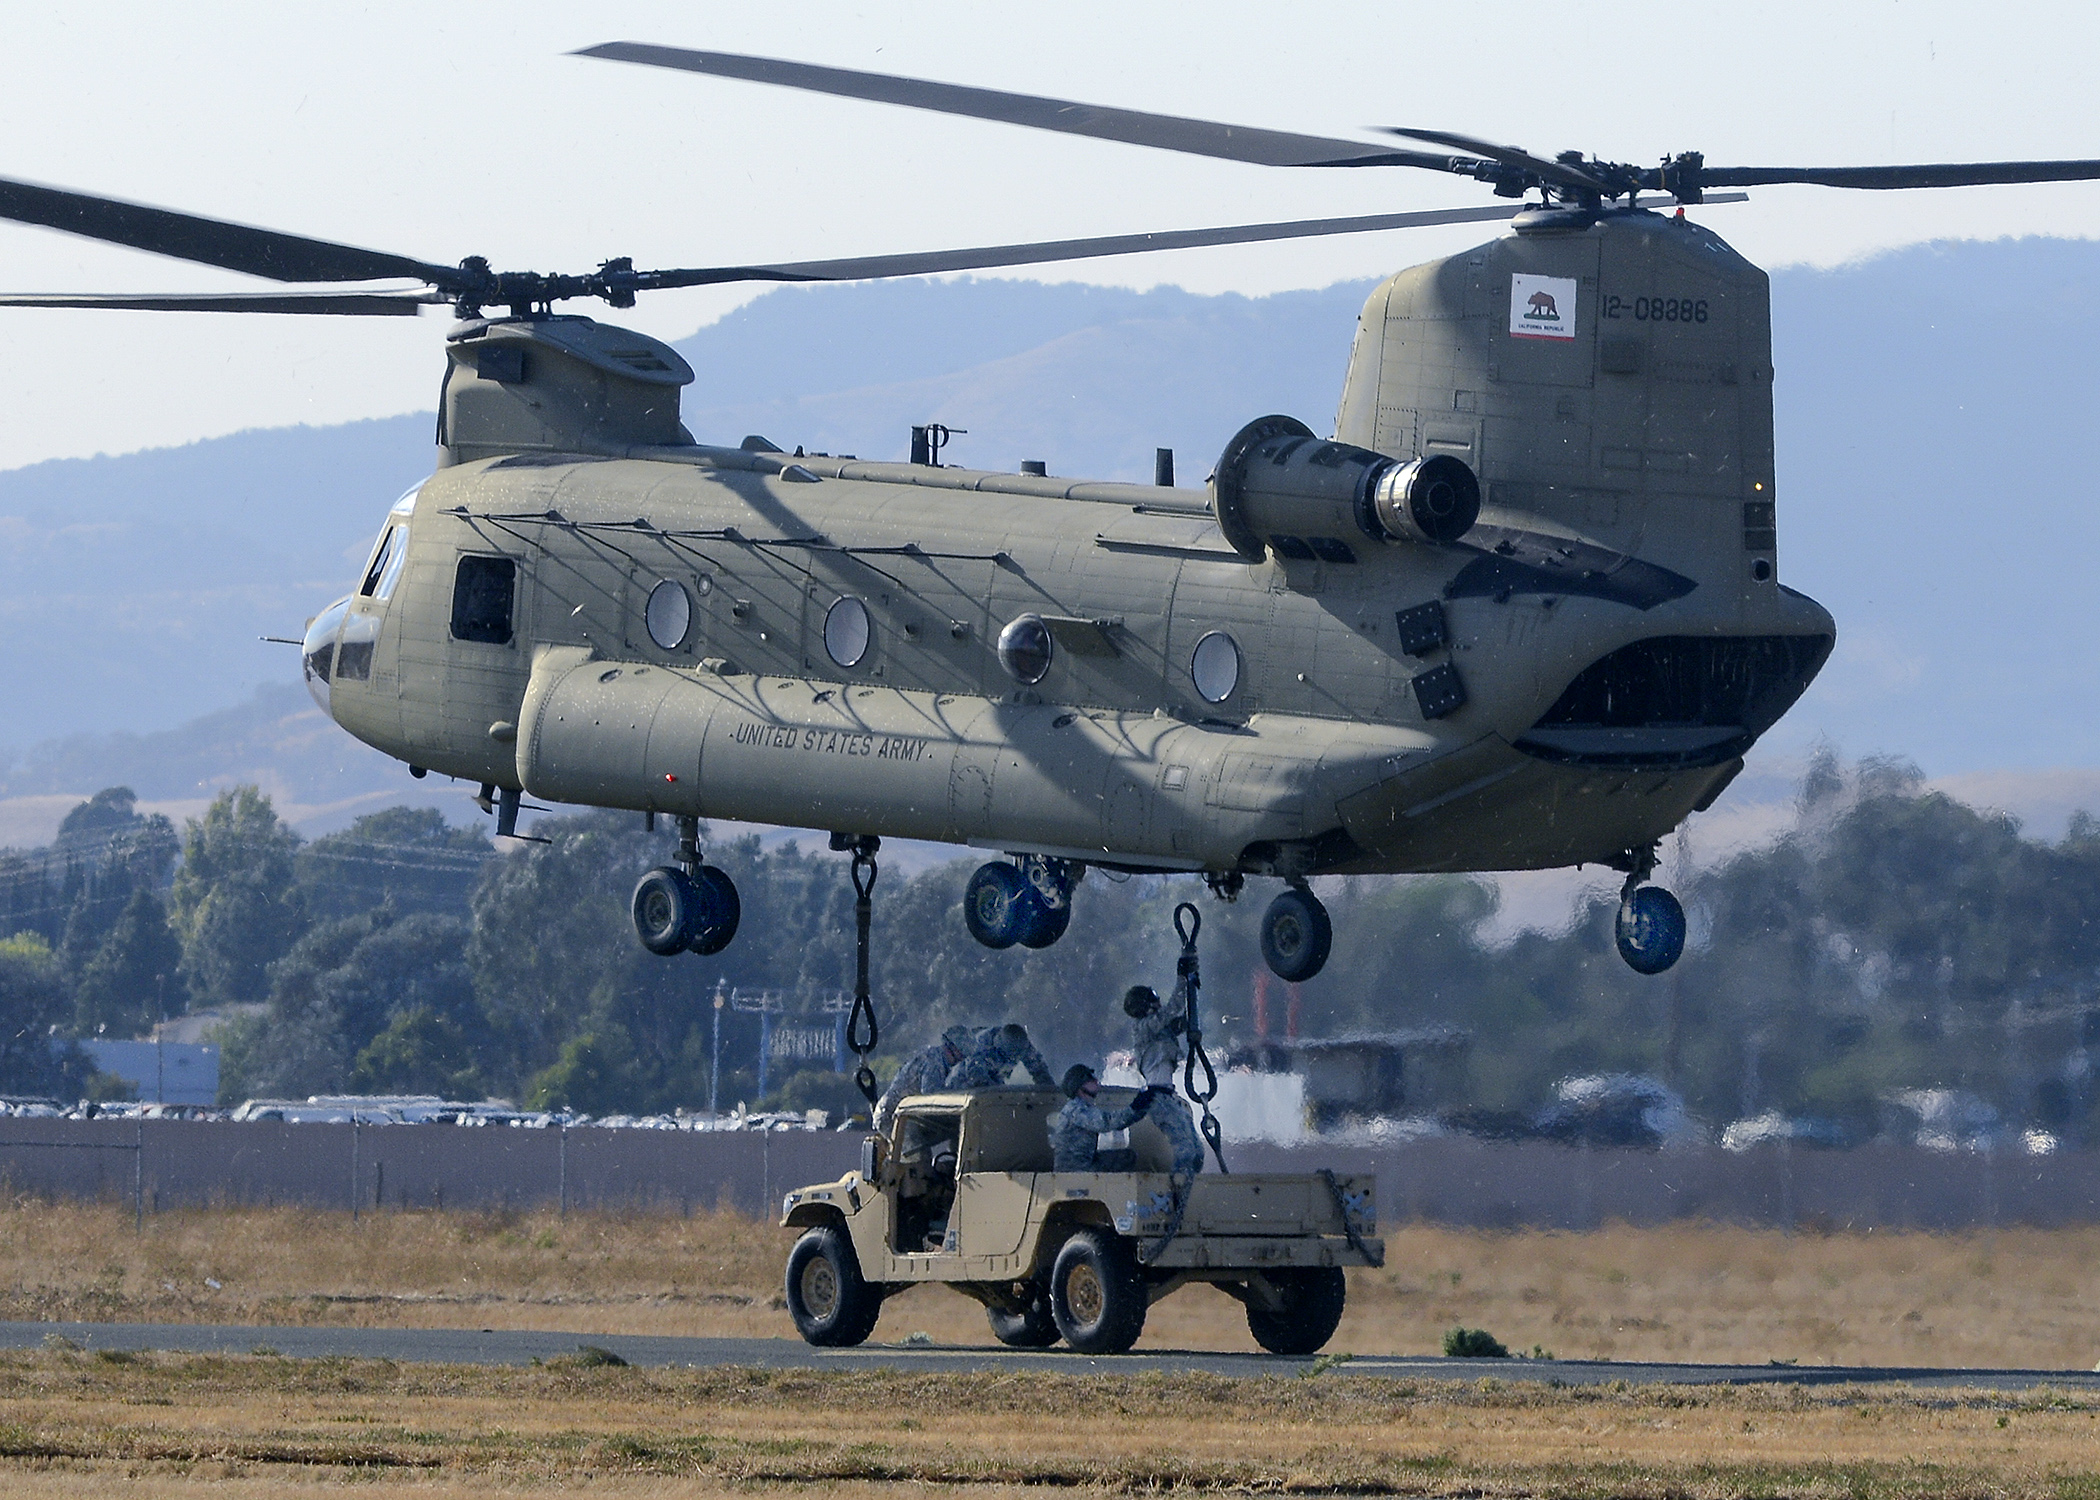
[(814, 641)]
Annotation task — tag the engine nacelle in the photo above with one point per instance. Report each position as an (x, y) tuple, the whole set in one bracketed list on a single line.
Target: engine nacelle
[(1278, 486)]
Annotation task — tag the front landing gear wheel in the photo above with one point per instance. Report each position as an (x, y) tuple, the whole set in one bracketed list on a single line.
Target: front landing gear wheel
[(664, 906), (718, 912), (1000, 907), (1097, 1294), (1030, 1328), (1296, 935), (833, 1307), (1650, 929), (1311, 1299)]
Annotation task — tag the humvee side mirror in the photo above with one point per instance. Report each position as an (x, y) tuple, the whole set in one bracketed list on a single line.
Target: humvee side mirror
[(870, 1158)]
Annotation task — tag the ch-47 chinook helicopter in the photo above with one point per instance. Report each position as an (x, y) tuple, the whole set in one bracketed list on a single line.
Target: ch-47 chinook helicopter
[(1520, 610)]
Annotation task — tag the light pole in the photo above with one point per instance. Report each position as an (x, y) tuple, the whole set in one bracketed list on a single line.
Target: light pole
[(714, 1071)]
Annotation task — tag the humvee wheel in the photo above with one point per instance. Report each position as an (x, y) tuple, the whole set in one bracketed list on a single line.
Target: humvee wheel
[(1031, 1328), (1312, 1299), (1097, 1296), (833, 1307)]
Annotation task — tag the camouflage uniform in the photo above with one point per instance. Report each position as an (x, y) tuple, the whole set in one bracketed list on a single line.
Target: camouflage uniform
[(992, 1055), (1156, 1047), (925, 1073), (1075, 1133)]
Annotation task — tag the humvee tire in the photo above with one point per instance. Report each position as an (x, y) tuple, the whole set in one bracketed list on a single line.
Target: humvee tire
[(832, 1304), (1097, 1295), (1312, 1309), (1031, 1328)]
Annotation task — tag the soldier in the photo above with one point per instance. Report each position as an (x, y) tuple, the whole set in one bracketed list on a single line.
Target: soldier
[(1076, 1130), (925, 1073), (1156, 1044), (992, 1057)]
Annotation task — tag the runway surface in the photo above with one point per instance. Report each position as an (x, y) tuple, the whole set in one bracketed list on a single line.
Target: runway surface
[(517, 1347)]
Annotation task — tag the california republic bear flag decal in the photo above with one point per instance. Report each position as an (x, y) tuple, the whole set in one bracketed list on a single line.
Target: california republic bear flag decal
[(1542, 307)]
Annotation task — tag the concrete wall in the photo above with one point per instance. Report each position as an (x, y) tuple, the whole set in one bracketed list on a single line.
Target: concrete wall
[(178, 1163)]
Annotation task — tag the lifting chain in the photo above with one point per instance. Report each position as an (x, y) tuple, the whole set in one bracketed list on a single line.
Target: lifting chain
[(861, 1031), (1187, 923)]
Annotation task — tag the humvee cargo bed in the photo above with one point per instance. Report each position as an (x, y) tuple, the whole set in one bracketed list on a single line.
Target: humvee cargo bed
[(961, 1191)]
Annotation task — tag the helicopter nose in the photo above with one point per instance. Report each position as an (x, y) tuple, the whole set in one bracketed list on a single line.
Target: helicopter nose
[(317, 651)]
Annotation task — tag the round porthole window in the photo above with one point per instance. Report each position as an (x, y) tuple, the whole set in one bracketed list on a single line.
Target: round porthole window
[(847, 631), (1025, 649), (670, 614), (1215, 666)]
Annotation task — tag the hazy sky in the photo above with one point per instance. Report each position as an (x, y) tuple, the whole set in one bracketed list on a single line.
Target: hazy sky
[(444, 131)]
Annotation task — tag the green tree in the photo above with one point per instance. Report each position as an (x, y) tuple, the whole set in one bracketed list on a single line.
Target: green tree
[(343, 986), (234, 903), (34, 1059), (407, 858), (135, 976)]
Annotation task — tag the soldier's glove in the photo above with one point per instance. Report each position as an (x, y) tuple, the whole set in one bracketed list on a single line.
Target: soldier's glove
[(1141, 1102)]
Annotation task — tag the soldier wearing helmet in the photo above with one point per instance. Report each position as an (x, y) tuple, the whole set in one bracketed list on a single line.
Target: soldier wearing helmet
[(1155, 1040), (1076, 1130)]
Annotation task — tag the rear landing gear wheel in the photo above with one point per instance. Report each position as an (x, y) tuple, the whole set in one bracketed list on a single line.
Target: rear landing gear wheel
[(717, 913), (1296, 935), (1311, 1310), (1000, 907), (1049, 924), (1650, 929)]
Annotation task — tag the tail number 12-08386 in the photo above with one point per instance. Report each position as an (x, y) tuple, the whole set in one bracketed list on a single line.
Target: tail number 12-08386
[(1656, 309)]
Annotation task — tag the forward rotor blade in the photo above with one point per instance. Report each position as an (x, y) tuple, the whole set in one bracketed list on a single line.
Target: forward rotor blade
[(1944, 174), (209, 242), (1510, 156), (929, 262), (340, 304), (1271, 148)]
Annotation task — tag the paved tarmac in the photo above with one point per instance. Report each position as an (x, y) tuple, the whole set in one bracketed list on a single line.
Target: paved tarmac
[(520, 1347)]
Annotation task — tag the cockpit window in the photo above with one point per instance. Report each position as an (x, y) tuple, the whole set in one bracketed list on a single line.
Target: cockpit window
[(397, 555), (481, 599), (383, 556)]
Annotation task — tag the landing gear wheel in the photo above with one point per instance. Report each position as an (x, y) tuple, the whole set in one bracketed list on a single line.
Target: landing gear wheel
[(1296, 935), (1312, 1298), (718, 911), (1097, 1295), (833, 1307), (664, 906), (1030, 1328), (1049, 924), (999, 906), (1650, 929)]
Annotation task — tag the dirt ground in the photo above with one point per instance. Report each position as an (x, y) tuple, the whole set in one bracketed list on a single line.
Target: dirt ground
[(2021, 1298), (73, 1424)]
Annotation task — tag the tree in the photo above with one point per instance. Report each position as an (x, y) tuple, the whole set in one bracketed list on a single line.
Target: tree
[(33, 1059), (345, 985), (233, 902), (135, 977), (407, 858)]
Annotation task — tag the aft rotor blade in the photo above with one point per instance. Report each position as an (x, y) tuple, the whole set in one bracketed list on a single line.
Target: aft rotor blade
[(209, 242), (340, 304), (1510, 156), (1271, 148), (1944, 174), (929, 262)]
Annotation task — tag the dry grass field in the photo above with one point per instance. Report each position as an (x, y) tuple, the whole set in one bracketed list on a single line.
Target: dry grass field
[(74, 1424), (2023, 1298)]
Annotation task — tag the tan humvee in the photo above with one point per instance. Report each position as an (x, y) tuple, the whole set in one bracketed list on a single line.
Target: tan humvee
[(961, 1191)]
